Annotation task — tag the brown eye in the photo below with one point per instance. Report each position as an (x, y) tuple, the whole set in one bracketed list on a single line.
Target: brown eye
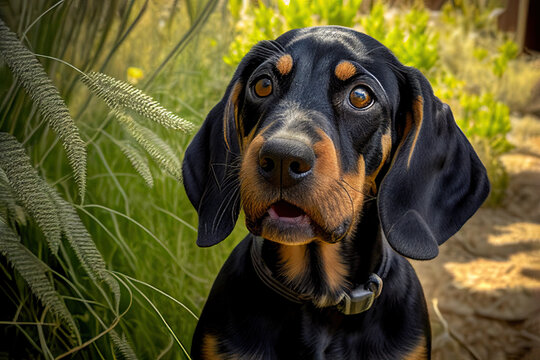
[(360, 97), (263, 87)]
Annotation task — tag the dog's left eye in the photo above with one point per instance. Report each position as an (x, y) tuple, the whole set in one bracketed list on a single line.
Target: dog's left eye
[(360, 97), (263, 87)]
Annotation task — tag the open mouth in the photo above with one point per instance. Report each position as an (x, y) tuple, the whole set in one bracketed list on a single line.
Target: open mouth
[(288, 213), (289, 224)]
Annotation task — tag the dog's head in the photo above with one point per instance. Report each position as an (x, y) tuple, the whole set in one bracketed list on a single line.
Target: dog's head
[(318, 122)]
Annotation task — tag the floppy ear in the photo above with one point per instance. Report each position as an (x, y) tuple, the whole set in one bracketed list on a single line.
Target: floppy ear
[(210, 171), (212, 160), (436, 181)]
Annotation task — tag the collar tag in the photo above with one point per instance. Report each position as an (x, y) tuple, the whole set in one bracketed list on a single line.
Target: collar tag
[(361, 298)]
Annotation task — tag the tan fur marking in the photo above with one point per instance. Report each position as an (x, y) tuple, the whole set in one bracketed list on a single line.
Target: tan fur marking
[(251, 184), (356, 183), (334, 269), (294, 260), (248, 138), (210, 348), (386, 146), (284, 64), (419, 352), (328, 201), (406, 131), (418, 117), (344, 70), (232, 101), (327, 159)]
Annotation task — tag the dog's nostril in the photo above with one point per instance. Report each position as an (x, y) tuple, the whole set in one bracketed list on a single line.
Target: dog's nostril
[(266, 164), (299, 168), (295, 167)]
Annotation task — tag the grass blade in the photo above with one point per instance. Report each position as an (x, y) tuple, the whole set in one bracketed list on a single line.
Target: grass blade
[(124, 97), (30, 189), (33, 272), (32, 76)]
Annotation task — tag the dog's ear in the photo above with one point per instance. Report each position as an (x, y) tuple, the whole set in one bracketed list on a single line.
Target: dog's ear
[(435, 182), (211, 162), (210, 169)]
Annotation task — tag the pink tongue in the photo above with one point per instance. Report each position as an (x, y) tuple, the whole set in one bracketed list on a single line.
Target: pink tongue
[(287, 212)]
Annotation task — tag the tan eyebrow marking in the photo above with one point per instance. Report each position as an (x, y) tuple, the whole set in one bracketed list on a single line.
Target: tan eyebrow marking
[(284, 64), (345, 70)]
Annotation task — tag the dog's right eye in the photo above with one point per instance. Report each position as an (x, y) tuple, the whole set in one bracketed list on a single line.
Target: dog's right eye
[(360, 97), (263, 87)]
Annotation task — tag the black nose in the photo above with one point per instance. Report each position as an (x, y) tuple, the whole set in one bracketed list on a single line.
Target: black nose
[(285, 162)]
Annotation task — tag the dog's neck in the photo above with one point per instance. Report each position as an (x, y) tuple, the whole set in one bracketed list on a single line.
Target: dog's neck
[(324, 271)]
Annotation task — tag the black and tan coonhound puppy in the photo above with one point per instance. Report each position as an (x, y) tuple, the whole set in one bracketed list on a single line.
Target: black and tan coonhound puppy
[(344, 163)]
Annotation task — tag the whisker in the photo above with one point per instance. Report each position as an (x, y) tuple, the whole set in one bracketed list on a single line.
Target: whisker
[(227, 200), (366, 195)]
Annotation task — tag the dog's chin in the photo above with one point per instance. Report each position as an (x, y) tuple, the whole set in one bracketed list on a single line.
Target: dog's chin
[(298, 232), (287, 224)]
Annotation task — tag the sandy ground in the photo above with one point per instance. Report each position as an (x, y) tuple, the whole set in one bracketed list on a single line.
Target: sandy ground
[(483, 290)]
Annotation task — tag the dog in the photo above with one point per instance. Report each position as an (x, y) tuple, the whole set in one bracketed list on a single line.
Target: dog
[(345, 164)]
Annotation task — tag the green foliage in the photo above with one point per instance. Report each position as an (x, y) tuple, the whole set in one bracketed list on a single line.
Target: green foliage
[(472, 15), (296, 14), (138, 161), (335, 12), (30, 189), (59, 274), (409, 36), (506, 52), (55, 217), (121, 343), (126, 101), (30, 73), (482, 117), (261, 23), (34, 272), (158, 149), (82, 244), (235, 7), (123, 97), (268, 22)]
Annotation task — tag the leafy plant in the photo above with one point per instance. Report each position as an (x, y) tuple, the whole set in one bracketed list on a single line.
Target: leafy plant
[(52, 214), (126, 102), (42, 235), (335, 12), (506, 52), (409, 36)]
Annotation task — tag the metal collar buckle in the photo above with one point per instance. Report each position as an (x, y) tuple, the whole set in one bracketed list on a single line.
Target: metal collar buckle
[(361, 298)]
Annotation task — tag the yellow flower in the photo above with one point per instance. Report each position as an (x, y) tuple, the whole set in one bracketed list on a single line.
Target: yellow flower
[(134, 74)]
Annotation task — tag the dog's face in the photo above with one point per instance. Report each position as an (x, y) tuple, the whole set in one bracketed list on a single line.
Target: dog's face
[(314, 121), (318, 122)]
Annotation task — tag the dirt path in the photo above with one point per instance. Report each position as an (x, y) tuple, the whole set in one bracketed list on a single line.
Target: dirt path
[(483, 289)]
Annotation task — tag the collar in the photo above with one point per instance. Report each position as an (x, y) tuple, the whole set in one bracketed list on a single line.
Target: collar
[(354, 302)]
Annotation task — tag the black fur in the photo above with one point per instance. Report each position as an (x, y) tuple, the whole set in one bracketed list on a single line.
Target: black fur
[(427, 188)]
